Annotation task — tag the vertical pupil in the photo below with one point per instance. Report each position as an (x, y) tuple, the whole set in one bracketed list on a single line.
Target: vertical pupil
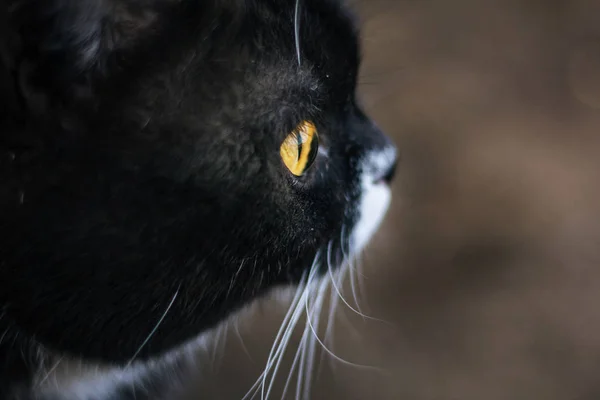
[(299, 140)]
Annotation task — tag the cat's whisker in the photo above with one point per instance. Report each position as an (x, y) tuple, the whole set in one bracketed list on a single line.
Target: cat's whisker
[(335, 286), (260, 380), (304, 374), (297, 357), (316, 312), (297, 30), (353, 277), (215, 344), (241, 339), (286, 339), (219, 344), (155, 327), (302, 367), (235, 276), (305, 353), (361, 280), (282, 338), (275, 348), (348, 260), (330, 324), (300, 309), (331, 353), (283, 346), (4, 335), (51, 371)]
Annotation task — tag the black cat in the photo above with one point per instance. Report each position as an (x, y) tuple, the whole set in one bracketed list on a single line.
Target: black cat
[(163, 164)]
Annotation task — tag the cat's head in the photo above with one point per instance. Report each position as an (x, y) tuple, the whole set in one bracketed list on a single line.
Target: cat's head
[(177, 154)]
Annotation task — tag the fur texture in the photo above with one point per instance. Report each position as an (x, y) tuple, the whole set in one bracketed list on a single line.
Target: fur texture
[(141, 172)]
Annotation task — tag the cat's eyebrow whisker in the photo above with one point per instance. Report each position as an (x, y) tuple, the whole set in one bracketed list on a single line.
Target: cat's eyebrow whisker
[(297, 30), (155, 327)]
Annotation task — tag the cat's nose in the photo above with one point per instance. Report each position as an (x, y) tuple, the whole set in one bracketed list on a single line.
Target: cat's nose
[(388, 176), (385, 163)]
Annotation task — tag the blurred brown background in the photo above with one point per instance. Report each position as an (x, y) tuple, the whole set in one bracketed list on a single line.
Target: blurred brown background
[(488, 265)]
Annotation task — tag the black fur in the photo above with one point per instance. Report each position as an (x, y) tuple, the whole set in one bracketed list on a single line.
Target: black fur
[(140, 158)]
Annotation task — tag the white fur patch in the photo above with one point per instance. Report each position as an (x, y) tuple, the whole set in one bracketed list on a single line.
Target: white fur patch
[(77, 380), (375, 196)]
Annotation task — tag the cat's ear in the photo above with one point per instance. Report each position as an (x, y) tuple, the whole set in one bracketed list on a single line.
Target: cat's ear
[(64, 44)]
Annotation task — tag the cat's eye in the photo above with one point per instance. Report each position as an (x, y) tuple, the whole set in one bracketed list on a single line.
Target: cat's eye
[(299, 149)]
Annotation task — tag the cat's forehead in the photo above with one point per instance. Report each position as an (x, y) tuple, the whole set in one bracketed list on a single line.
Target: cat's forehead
[(307, 49), (272, 57), (243, 66), (317, 35)]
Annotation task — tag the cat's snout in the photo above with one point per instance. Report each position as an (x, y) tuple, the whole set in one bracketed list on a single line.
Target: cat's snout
[(388, 176), (385, 165)]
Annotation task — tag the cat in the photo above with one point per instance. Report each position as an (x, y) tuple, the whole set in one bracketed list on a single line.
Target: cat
[(164, 164)]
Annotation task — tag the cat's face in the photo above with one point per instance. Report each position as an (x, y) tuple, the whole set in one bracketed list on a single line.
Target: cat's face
[(208, 157)]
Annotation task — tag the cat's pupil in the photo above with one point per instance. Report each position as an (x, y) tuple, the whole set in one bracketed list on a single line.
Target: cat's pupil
[(300, 140)]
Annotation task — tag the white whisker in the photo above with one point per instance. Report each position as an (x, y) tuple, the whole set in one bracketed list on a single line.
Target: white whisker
[(338, 358), (297, 30), (280, 353), (241, 340), (50, 371), (303, 357), (329, 330), (275, 348), (294, 364), (353, 276), (282, 339), (298, 313), (302, 368), (353, 273), (4, 335), (219, 345), (335, 286), (361, 280), (155, 327), (316, 311)]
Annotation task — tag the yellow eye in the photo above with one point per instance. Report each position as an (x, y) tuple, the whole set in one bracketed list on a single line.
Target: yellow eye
[(299, 149)]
